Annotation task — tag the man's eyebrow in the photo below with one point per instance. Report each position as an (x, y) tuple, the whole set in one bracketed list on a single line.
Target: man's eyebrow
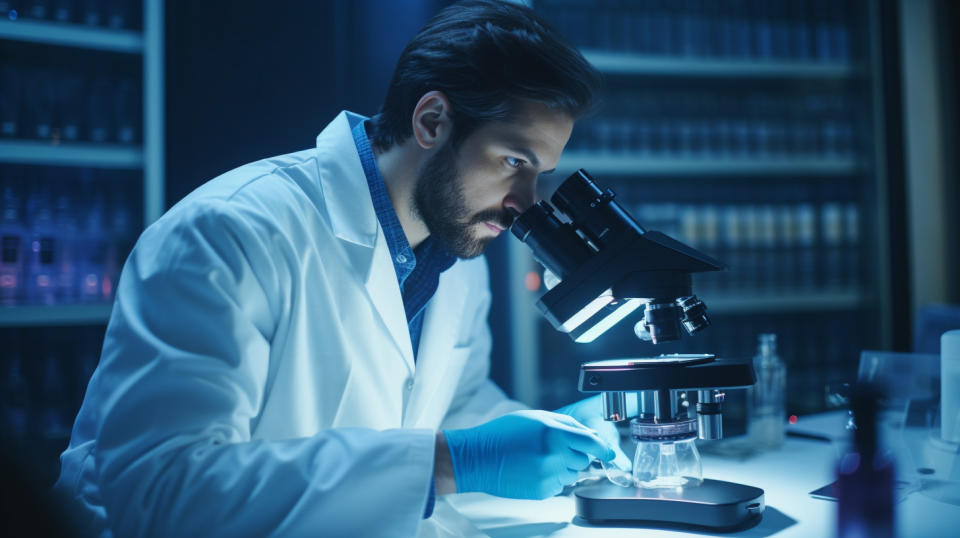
[(531, 156)]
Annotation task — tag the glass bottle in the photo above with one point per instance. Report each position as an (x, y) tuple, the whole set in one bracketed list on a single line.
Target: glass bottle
[(865, 475), (12, 249), (15, 403), (767, 406), (118, 245), (93, 263), (66, 223), (54, 409), (42, 263)]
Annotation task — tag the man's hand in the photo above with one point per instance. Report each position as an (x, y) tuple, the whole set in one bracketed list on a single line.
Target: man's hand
[(523, 455), (589, 413)]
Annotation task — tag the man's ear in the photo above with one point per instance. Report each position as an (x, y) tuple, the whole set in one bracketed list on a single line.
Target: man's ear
[(432, 123)]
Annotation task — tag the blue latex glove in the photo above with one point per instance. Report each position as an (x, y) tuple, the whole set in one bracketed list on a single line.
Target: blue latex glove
[(589, 413), (523, 455)]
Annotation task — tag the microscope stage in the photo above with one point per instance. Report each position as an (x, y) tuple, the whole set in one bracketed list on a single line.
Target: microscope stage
[(715, 504)]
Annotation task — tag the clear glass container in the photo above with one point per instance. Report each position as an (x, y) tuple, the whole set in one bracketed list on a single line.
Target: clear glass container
[(766, 425), (667, 455)]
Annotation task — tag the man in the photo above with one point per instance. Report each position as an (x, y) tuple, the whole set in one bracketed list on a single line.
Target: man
[(300, 346)]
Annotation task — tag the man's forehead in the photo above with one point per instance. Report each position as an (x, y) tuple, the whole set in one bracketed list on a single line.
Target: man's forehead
[(514, 135), (531, 125), (533, 114)]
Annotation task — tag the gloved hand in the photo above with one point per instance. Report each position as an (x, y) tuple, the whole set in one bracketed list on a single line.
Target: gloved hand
[(523, 455), (589, 413)]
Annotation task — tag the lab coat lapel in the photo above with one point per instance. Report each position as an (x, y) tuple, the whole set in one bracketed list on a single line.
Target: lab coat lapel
[(384, 291), (437, 357), (353, 220)]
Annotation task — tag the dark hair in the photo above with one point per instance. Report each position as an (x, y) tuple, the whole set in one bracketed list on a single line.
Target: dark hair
[(486, 56)]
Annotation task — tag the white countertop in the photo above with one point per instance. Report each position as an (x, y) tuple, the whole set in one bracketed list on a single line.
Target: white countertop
[(786, 475)]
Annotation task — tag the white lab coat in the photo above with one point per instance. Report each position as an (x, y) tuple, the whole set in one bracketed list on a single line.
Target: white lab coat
[(257, 376)]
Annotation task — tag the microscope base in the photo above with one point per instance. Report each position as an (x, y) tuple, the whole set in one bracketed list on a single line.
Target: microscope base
[(714, 504)]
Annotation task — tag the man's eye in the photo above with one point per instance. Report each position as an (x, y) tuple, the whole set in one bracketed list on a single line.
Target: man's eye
[(514, 162)]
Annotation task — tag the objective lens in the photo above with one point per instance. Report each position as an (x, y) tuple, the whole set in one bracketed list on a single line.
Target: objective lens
[(662, 320), (694, 314)]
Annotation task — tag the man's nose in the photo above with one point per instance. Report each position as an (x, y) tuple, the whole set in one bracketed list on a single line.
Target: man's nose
[(521, 197)]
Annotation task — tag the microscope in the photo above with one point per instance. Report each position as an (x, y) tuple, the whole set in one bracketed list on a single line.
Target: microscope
[(600, 267)]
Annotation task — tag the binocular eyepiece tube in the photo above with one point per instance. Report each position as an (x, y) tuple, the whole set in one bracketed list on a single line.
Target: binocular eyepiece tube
[(607, 265)]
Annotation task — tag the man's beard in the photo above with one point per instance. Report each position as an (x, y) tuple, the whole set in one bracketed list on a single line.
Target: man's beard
[(438, 200)]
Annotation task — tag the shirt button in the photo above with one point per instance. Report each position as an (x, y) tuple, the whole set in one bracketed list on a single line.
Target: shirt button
[(401, 258), (409, 384)]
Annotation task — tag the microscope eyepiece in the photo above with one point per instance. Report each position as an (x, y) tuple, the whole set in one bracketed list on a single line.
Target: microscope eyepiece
[(593, 209), (555, 244)]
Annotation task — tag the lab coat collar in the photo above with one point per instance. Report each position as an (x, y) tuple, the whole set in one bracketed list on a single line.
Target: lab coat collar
[(353, 220), (345, 191)]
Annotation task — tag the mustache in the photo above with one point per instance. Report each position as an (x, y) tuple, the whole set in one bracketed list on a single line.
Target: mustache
[(501, 217)]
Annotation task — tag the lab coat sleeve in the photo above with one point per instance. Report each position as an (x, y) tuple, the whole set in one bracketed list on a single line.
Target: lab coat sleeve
[(477, 398), (185, 367)]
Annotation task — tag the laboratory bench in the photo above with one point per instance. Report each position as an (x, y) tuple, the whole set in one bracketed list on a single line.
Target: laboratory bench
[(787, 476)]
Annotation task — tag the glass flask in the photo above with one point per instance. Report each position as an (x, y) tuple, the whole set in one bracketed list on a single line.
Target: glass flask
[(667, 455)]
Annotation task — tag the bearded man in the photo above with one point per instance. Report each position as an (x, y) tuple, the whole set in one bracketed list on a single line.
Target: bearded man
[(300, 346)]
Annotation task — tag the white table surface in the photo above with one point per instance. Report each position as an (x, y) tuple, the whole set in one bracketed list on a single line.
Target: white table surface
[(786, 475)]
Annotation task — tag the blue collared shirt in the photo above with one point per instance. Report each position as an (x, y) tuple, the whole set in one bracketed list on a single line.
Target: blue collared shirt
[(418, 270)]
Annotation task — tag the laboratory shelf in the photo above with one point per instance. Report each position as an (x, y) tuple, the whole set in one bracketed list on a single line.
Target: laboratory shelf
[(41, 315), (727, 303), (72, 35), (71, 154), (620, 63), (599, 163)]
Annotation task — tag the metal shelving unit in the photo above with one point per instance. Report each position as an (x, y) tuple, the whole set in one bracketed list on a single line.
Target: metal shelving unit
[(71, 154), (601, 164), (621, 63), (148, 44), (55, 315), (72, 35), (792, 302)]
